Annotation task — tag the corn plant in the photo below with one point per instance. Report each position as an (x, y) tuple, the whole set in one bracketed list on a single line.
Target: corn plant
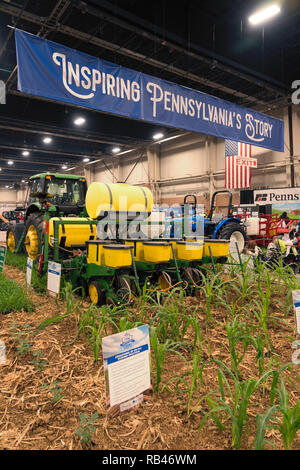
[(237, 333), (235, 408), (212, 288), (288, 425), (258, 343), (262, 424), (160, 349), (290, 421), (235, 403)]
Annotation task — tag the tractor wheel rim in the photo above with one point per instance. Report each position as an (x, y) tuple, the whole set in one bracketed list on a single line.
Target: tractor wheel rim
[(237, 237), (11, 242), (93, 293), (164, 281), (31, 242)]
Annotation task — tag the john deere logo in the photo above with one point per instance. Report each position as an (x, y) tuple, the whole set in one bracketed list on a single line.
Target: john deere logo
[(261, 197)]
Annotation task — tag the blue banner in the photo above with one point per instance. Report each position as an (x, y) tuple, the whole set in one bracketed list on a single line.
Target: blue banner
[(53, 71)]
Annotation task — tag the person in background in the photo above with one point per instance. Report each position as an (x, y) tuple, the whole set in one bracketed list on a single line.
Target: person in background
[(285, 217), (252, 249), (272, 246)]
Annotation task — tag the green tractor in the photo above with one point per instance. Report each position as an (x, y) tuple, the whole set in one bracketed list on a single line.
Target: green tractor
[(57, 194)]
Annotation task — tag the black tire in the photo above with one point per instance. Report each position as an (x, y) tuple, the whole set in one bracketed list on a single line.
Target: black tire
[(96, 293), (36, 220), (14, 232), (124, 292), (228, 231)]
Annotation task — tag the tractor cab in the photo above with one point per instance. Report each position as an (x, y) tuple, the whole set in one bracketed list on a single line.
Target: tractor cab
[(56, 194), (60, 194)]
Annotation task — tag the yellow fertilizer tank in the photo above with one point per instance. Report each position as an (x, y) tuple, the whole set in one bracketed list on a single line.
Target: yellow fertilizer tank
[(117, 256), (95, 251), (76, 234), (157, 252), (118, 197), (218, 248), (151, 251), (189, 251)]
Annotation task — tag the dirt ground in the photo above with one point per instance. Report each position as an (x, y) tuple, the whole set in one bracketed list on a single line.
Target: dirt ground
[(31, 419)]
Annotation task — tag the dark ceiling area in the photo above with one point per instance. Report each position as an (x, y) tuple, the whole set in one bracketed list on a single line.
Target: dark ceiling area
[(206, 45)]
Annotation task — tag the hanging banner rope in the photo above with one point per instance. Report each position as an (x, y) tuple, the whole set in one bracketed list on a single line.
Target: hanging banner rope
[(54, 71)]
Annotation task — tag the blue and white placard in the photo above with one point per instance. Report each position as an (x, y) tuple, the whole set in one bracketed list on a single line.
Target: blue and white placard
[(54, 276), (296, 302), (29, 271), (126, 358)]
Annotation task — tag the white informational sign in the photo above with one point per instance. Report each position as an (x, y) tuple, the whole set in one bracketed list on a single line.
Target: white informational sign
[(296, 302), (126, 358), (54, 275), (2, 257), (29, 271)]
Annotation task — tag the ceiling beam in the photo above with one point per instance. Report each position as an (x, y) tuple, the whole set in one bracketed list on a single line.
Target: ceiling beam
[(67, 30)]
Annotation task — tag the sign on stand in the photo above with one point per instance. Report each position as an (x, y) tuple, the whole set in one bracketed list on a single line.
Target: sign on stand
[(126, 358), (54, 276), (296, 302), (29, 271), (2, 257)]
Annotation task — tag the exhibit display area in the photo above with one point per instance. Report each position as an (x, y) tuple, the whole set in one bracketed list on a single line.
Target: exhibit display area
[(149, 229)]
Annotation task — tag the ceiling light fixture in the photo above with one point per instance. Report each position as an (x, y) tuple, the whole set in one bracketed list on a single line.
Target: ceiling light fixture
[(158, 136), (79, 121), (264, 14), (116, 150), (10, 162), (86, 160), (64, 167), (47, 140), (25, 153)]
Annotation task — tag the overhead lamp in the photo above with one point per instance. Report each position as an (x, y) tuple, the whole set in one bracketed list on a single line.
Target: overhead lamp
[(64, 167), (79, 121), (116, 150), (47, 140), (86, 160), (7, 187), (264, 14), (10, 162), (25, 153), (0, 169), (23, 181), (158, 135)]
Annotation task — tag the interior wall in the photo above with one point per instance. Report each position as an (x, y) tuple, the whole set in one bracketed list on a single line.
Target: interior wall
[(8, 200), (189, 163)]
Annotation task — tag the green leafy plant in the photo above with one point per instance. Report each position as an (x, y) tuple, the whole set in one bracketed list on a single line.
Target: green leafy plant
[(22, 338), (12, 297), (38, 360), (290, 421), (56, 390), (87, 428)]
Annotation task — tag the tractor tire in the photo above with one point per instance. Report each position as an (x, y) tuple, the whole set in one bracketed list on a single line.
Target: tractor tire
[(13, 235), (33, 235), (96, 293), (236, 234)]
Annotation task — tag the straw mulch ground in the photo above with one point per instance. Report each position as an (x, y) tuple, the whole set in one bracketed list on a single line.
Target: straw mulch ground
[(40, 409)]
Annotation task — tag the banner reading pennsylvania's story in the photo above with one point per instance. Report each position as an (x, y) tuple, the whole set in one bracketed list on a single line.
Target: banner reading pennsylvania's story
[(54, 71)]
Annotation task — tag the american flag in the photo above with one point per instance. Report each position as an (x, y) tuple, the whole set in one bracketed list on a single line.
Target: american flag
[(236, 175)]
